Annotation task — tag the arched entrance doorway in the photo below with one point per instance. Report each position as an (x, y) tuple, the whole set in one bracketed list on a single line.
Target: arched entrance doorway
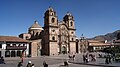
[(64, 39), (7, 53), (64, 50), (19, 53), (13, 53)]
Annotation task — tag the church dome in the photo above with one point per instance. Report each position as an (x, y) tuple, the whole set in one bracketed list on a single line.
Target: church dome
[(36, 26)]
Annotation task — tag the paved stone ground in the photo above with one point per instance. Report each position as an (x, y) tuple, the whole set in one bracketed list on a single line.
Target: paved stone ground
[(99, 61), (55, 61), (52, 62), (71, 65), (38, 61)]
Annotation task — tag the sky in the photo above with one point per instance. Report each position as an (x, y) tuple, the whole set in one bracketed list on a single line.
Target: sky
[(92, 17)]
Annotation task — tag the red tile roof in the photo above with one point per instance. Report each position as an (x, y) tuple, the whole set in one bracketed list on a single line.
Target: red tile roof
[(12, 39)]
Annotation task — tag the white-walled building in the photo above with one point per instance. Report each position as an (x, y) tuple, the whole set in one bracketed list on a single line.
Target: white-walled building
[(11, 46)]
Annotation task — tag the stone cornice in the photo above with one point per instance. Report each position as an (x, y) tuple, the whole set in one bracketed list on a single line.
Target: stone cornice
[(53, 40)]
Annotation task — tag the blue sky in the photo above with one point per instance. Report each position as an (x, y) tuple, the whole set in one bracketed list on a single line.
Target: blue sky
[(92, 17)]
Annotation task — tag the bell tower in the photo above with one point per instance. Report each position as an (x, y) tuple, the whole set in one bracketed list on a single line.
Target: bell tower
[(69, 21), (51, 32), (50, 18)]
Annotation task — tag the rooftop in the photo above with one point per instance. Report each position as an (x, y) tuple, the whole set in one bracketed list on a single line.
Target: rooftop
[(12, 39), (35, 25)]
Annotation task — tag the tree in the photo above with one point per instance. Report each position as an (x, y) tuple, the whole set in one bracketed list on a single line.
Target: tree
[(112, 50)]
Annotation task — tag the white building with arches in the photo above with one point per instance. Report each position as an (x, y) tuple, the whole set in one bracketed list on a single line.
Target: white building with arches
[(11, 46)]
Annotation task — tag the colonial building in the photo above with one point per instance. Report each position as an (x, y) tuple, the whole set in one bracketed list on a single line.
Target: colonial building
[(11, 46), (56, 37), (88, 45), (97, 46)]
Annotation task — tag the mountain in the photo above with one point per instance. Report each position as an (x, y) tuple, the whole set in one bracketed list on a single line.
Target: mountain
[(108, 36)]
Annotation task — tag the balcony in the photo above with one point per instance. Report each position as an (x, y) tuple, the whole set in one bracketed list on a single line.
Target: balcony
[(16, 47)]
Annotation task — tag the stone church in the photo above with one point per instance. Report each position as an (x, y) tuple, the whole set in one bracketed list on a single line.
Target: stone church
[(56, 37)]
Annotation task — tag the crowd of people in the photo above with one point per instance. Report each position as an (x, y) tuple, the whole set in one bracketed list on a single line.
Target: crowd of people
[(30, 64), (88, 57), (108, 59), (71, 57), (91, 57), (2, 61)]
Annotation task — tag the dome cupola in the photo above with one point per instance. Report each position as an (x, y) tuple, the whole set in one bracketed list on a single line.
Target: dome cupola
[(36, 26)]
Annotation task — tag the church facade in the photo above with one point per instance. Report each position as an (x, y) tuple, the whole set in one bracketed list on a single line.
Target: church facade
[(56, 37)]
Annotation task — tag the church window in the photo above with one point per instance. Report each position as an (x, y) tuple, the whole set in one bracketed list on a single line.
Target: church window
[(17, 44), (71, 23), (53, 38), (14, 44), (8, 44), (37, 34), (27, 37), (21, 44), (53, 20), (52, 14), (72, 39), (71, 32), (11, 44), (53, 30)]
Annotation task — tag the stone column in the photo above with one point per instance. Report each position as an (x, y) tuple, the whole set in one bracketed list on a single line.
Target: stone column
[(67, 48), (20, 53), (10, 53), (3, 52), (3, 49), (15, 53), (27, 50)]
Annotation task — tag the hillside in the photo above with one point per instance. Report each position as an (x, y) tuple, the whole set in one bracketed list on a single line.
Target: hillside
[(108, 36)]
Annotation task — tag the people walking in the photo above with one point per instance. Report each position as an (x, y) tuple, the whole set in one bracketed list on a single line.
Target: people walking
[(84, 58), (2, 61), (73, 57), (107, 60), (20, 64), (33, 65), (45, 64), (65, 63), (22, 59), (29, 64)]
